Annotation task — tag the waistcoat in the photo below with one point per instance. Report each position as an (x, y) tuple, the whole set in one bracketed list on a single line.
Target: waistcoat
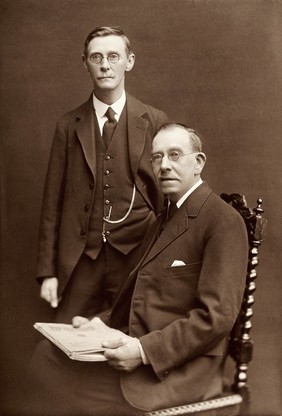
[(113, 195)]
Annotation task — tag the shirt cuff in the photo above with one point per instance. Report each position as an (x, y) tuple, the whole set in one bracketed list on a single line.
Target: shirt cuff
[(143, 355)]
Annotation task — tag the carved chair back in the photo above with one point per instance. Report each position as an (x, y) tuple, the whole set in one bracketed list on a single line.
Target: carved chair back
[(241, 344)]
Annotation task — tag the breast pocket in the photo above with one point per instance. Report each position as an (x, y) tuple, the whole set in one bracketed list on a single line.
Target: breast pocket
[(182, 271), (179, 286)]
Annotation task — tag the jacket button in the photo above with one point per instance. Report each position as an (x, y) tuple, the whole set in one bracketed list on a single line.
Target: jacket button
[(108, 232), (107, 157), (107, 172), (106, 186), (107, 202), (83, 231), (91, 185), (165, 374)]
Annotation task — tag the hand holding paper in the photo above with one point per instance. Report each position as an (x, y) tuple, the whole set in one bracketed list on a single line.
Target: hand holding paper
[(83, 343), (123, 354)]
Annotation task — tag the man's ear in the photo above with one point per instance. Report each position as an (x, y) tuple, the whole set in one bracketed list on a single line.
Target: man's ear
[(84, 60), (130, 62), (200, 162)]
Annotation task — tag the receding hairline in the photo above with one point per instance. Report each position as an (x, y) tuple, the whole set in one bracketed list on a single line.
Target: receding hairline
[(104, 31), (194, 137)]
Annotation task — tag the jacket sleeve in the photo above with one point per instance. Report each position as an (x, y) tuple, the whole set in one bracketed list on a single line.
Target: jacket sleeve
[(52, 206), (217, 303)]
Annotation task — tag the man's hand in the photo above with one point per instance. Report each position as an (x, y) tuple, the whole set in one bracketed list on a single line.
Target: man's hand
[(49, 291), (123, 354), (78, 321)]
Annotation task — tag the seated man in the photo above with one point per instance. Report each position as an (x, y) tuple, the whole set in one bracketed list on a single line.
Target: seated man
[(178, 305)]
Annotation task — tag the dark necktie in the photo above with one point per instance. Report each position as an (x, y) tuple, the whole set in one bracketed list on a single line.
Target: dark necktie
[(171, 211), (109, 126)]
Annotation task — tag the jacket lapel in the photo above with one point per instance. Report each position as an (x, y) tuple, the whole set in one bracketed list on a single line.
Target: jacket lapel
[(137, 129), (149, 241), (157, 243), (175, 227), (180, 221), (86, 133)]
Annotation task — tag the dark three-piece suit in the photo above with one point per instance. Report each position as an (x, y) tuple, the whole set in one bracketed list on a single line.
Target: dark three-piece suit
[(87, 181), (181, 302)]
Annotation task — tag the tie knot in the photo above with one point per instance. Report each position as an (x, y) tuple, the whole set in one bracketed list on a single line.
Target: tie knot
[(110, 114)]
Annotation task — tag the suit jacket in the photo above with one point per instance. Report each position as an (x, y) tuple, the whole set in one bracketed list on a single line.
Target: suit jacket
[(70, 183), (183, 315)]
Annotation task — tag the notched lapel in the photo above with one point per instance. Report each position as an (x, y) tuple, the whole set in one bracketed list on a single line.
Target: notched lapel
[(86, 134), (179, 223), (137, 130), (173, 229)]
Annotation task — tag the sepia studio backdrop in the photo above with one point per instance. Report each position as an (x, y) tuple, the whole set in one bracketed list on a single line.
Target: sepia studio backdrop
[(214, 65)]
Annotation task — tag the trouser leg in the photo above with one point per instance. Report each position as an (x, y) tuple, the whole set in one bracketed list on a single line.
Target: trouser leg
[(82, 295), (95, 284), (59, 386)]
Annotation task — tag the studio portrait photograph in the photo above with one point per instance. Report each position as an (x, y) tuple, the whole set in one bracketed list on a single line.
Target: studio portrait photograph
[(140, 205)]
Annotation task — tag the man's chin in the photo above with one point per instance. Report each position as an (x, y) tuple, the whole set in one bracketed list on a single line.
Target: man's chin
[(103, 81), (167, 190)]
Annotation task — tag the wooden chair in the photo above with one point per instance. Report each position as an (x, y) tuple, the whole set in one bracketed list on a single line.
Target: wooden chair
[(235, 401)]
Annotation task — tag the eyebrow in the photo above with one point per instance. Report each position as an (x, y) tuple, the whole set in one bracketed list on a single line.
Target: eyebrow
[(100, 53), (178, 149)]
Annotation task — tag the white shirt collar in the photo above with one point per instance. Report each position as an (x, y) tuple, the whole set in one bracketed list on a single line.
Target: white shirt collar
[(101, 107), (185, 196)]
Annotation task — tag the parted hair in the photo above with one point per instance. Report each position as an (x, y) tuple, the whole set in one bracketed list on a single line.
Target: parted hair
[(103, 31), (196, 141)]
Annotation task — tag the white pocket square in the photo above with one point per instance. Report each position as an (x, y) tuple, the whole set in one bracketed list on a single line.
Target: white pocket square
[(177, 263)]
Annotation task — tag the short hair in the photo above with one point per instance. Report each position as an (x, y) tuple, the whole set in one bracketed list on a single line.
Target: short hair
[(195, 139), (103, 31)]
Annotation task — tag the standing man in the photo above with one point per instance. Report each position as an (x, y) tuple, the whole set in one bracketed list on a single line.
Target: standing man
[(178, 306), (100, 193)]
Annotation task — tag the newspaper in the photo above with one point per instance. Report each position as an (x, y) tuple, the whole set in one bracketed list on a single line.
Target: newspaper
[(83, 343)]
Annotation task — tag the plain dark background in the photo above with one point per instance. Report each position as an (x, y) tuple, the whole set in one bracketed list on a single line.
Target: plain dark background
[(215, 65)]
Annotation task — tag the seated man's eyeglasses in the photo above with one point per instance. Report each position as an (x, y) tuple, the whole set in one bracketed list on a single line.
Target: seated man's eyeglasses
[(97, 58), (174, 155)]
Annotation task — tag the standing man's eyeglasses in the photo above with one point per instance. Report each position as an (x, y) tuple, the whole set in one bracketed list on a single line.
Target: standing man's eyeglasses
[(97, 58)]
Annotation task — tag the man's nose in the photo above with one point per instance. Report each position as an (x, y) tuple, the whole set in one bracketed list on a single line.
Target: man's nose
[(165, 163), (105, 64)]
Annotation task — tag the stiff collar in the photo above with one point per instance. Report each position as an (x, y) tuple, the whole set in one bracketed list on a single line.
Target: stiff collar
[(117, 106), (189, 192)]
